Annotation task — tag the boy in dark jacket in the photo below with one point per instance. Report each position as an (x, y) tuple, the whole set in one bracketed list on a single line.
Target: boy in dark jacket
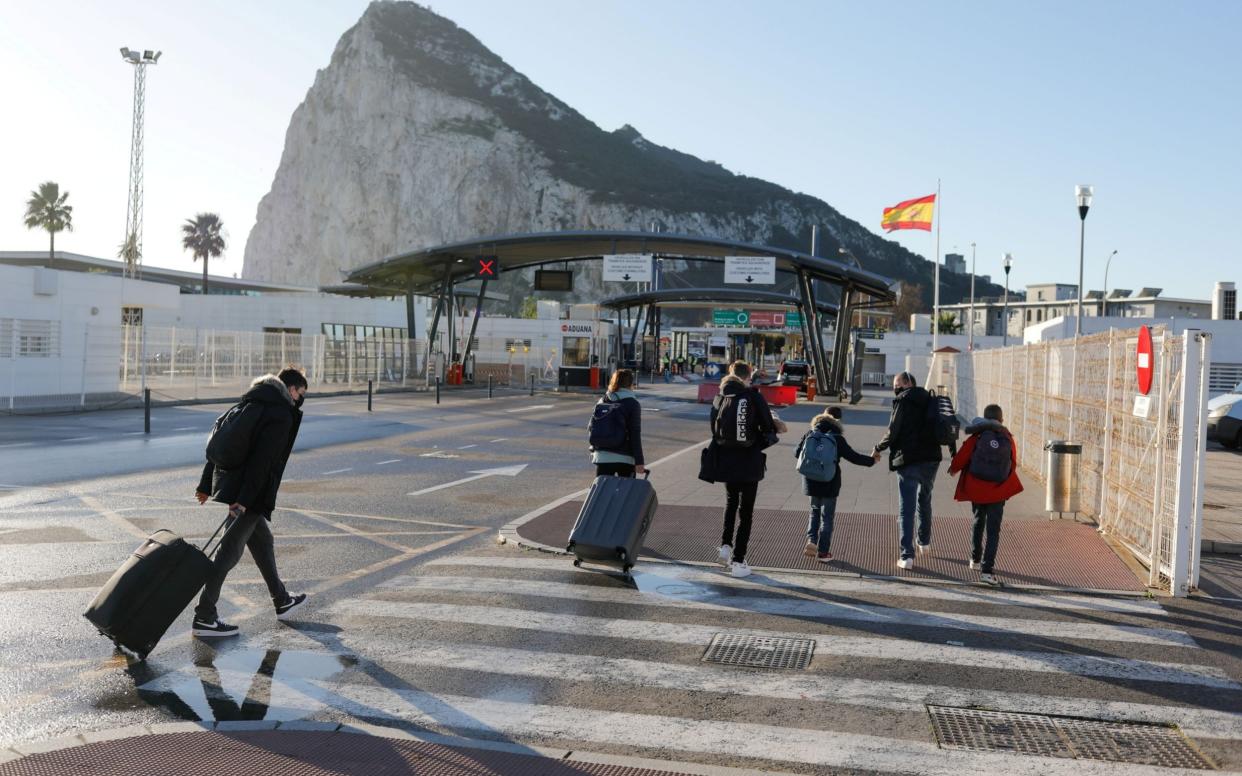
[(740, 460), (915, 455), (250, 491), (988, 462), (824, 494)]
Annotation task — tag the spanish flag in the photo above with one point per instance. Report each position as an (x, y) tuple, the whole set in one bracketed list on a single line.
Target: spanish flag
[(911, 214)]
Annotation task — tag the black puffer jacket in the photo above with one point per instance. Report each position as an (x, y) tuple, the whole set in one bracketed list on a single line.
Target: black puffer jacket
[(743, 464), (817, 489), (910, 438), (255, 483)]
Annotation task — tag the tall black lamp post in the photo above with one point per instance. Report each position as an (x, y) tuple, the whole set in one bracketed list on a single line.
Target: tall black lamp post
[(1083, 194), (1008, 265)]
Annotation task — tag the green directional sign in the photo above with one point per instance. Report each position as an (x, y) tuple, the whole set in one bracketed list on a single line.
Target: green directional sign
[(730, 318), (793, 318)]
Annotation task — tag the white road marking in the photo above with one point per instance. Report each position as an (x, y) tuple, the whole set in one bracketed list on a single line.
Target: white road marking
[(438, 454), (706, 598), (467, 447), (650, 574), (133, 433), (811, 686), (842, 646), (532, 407), (79, 439), (338, 471), (494, 441), (391, 460), (186, 428), (738, 739), (17, 444), (500, 471)]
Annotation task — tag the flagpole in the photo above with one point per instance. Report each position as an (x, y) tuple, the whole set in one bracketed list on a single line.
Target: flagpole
[(936, 293)]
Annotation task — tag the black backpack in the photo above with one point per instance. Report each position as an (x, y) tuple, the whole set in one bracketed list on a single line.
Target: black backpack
[(736, 423), (992, 458), (607, 428), (232, 435), (942, 419)]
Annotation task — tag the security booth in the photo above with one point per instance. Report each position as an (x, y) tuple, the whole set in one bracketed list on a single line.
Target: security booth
[(584, 354)]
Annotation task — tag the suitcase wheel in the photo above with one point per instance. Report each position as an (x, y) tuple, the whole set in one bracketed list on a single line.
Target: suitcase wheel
[(626, 570), (578, 563), (622, 555)]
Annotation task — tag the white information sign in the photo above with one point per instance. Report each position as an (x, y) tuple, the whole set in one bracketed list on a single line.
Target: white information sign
[(750, 270), (1142, 406), (628, 267)]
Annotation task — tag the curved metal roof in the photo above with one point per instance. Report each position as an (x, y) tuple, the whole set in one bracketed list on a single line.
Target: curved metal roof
[(423, 271), (692, 297)]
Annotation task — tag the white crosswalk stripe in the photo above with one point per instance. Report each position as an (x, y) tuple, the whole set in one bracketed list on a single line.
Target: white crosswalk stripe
[(844, 646), (800, 608), (649, 574)]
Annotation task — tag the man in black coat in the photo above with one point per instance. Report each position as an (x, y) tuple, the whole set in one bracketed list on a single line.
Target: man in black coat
[(915, 455), (250, 491)]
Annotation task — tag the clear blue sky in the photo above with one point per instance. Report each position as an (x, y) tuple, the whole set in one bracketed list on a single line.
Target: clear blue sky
[(859, 103)]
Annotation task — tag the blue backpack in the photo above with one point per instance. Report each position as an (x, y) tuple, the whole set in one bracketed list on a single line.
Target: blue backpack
[(607, 427), (818, 460)]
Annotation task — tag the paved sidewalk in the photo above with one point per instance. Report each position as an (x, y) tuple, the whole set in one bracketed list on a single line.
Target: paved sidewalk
[(1035, 551), (310, 749)]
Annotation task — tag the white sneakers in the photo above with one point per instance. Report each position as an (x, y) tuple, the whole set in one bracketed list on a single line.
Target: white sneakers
[(975, 565), (922, 548), (905, 563), (736, 568), (726, 553), (740, 569), (989, 580)]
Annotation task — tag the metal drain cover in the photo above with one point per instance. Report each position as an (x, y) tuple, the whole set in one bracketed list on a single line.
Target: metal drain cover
[(759, 651), (1068, 737)]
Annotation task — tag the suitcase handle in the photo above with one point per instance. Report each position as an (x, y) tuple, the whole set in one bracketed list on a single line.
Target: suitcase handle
[(225, 524)]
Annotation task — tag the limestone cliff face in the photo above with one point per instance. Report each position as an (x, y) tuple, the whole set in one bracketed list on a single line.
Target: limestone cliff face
[(417, 135)]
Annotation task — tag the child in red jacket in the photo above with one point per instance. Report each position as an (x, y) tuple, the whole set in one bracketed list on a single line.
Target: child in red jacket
[(988, 462)]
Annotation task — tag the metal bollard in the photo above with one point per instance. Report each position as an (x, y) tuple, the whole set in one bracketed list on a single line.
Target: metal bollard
[(146, 410), (532, 385), (1062, 491), (437, 389), (489, 386), (370, 392)]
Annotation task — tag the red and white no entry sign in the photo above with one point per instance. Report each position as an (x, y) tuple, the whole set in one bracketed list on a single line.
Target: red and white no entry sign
[(1143, 360)]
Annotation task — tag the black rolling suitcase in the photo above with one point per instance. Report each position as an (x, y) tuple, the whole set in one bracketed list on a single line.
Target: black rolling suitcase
[(151, 589), (613, 522)]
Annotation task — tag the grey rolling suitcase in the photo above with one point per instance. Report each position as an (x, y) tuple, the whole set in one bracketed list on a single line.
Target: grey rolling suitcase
[(151, 589), (613, 522)]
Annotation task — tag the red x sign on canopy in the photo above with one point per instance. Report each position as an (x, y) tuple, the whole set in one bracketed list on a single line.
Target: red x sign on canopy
[(487, 268)]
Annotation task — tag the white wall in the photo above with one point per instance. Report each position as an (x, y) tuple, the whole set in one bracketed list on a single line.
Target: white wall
[(307, 312)]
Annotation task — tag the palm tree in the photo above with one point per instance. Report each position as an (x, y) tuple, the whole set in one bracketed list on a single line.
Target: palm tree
[(949, 323), (129, 252), (201, 235), (46, 209)]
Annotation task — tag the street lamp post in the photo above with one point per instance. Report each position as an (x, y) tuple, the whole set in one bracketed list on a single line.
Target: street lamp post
[(1106, 265), (1083, 194), (970, 334), (1008, 265)]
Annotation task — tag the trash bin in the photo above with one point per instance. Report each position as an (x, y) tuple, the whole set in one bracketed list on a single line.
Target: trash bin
[(1063, 462)]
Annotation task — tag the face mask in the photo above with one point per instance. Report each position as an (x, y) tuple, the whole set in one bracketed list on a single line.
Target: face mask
[(298, 402), (897, 389)]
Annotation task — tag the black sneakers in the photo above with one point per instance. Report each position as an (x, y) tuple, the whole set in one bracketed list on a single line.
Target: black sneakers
[(213, 629), (285, 610)]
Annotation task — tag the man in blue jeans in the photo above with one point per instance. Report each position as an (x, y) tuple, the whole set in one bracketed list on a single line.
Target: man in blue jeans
[(915, 455)]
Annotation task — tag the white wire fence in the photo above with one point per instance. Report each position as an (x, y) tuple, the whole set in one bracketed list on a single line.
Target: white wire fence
[(49, 367), (1141, 467)]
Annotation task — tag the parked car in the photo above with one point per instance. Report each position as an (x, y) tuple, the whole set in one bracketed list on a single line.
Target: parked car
[(794, 373), (1225, 418)]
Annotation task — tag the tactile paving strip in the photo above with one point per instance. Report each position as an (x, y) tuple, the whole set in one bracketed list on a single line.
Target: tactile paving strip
[(1048, 553), (290, 753), (1079, 739), (737, 649)]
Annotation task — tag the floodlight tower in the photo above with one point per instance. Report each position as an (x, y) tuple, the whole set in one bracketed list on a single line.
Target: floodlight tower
[(131, 249)]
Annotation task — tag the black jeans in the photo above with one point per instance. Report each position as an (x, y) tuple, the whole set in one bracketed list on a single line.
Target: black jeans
[(249, 530), (987, 517), (739, 503), (609, 469)]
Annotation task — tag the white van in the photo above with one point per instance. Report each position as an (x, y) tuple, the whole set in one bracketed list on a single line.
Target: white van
[(1225, 418)]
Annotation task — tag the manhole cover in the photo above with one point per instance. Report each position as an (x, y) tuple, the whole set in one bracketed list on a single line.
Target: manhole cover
[(759, 651), (1048, 736)]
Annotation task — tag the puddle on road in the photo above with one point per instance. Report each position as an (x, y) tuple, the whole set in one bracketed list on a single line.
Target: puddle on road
[(242, 685)]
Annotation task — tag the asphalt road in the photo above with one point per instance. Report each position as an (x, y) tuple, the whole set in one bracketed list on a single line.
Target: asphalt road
[(418, 619)]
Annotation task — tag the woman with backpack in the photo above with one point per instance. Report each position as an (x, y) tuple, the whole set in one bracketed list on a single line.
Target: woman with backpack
[(616, 429), (819, 455), (742, 426), (988, 462)]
